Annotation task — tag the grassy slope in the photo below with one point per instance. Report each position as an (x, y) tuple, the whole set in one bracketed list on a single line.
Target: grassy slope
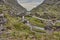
[(15, 28), (51, 10), (35, 22), (20, 31)]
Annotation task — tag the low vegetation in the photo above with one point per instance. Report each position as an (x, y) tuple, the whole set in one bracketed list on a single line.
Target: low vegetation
[(16, 30)]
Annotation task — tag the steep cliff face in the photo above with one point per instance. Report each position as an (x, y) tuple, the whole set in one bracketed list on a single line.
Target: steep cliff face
[(51, 7)]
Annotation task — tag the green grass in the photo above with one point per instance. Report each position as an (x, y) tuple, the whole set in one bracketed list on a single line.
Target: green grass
[(21, 31), (57, 24), (35, 22), (51, 10)]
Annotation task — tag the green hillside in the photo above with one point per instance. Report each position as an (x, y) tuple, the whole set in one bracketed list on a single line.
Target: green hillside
[(48, 9), (15, 29)]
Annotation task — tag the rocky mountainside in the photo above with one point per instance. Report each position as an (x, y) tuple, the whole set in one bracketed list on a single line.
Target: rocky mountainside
[(49, 7), (50, 1), (27, 27), (14, 5)]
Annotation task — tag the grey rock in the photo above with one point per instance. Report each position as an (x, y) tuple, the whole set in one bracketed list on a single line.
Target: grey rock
[(1, 15)]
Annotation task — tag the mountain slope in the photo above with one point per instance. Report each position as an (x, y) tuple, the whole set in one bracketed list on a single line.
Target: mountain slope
[(14, 5), (16, 30), (50, 8)]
